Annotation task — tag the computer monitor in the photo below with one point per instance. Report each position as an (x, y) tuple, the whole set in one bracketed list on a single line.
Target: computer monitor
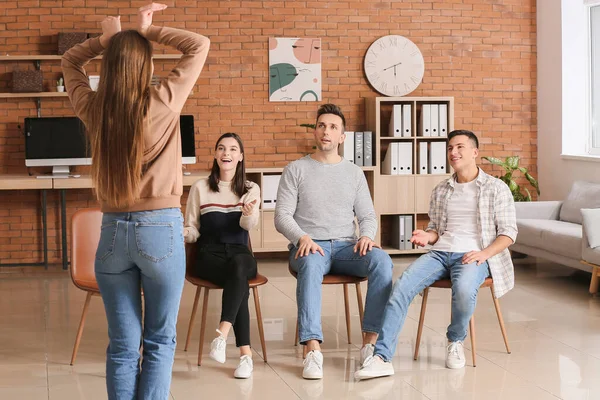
[(58, 142), (188, 143)]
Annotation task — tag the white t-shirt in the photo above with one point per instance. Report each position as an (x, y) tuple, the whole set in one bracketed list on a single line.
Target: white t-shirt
[(462, 234)]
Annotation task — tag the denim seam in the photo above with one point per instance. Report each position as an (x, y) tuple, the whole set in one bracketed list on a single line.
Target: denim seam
[(150, 224), (111, 248)]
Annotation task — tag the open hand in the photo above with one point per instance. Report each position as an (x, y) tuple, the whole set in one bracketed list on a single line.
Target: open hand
[(145, 16), (364, 245), (420, 238), (247, 208), (306, 246), (473, 256)]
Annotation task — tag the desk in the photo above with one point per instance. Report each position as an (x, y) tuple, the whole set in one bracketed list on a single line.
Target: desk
[(85, 182), (26, 182)]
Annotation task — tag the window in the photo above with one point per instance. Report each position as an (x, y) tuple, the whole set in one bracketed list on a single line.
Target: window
[(593, 145)]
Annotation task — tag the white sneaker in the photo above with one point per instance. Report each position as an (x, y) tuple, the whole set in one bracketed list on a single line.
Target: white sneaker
[(374, 367), (217, 348), (366, 352), (455, 356), (244, 370), (313, 365)]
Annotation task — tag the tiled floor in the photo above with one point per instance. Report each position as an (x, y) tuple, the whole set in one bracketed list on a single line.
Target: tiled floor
[(553, 327)]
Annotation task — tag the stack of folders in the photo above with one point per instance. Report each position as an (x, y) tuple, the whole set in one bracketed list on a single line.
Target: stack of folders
[(400, 121), (269, 191), (432, 158), (402, 228), (398, 159), (434, 120), (358, 148)]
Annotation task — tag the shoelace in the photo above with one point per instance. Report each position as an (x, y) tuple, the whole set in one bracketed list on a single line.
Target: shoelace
[(221, 343), (245, 360), (311, 361), (368, 361), (453, 349)]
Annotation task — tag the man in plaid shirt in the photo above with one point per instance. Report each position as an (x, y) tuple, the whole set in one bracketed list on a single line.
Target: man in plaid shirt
[(472, 223)]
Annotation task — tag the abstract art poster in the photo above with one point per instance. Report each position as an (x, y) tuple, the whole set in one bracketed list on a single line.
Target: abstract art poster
[(294, 69)]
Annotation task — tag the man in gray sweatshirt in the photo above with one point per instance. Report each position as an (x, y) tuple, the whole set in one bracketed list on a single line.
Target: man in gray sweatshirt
[(319, 195)]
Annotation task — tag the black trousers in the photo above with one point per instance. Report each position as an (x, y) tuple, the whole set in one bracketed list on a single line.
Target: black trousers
[(230, 266)]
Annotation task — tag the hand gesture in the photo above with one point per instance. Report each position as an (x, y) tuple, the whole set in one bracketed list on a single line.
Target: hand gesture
[(306, 246), (145, 16), (420, 238), (247, 208), (110, 27), (364, 245), (473, 256)]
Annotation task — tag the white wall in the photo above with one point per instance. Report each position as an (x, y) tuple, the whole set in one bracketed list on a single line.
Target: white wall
[(562, 70)]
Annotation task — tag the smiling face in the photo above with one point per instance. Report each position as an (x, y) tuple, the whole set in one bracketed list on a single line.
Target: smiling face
[(228, 154), (462, 153), (329, 132)]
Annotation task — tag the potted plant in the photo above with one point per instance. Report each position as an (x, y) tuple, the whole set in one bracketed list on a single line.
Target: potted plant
[(60, 85), (510, 165)]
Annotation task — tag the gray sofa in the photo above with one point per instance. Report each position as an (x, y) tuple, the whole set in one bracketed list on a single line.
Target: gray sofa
[(554, 230)]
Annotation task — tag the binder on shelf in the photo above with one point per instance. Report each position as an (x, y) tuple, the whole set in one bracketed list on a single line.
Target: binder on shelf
[(423, 158), (395, 238), (443, 120), (269, 190), (395, 128), (408, 228), (405, 158), (346, 149), (390, 162), (435, 115), (437, 158), (402, 229), (358, 149), (406, 120), (368, 148), (425, 120)]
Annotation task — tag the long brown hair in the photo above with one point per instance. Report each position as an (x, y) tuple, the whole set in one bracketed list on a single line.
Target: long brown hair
[(118, 119), (238, 184)]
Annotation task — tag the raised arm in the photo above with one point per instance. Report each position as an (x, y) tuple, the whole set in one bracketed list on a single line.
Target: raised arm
[(77, 57), (250, 212)]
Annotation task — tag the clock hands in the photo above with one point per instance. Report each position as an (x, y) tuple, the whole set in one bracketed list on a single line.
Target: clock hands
[(393, 66)]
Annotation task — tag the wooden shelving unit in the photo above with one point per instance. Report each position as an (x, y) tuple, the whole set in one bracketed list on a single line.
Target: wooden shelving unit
[(401, 194), (37, 59)]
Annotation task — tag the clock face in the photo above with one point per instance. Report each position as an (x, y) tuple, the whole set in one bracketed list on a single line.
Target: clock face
[(394, 65)]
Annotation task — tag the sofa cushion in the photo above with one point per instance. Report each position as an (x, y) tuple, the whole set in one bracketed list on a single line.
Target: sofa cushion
[(557, 237), (591, 219), (591, 255), (582, 195)]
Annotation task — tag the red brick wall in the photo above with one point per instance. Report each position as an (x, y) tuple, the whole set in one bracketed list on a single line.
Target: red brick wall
[(482, 52)]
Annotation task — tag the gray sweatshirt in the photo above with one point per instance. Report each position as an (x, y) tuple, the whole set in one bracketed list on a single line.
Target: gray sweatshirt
[(321, 200)]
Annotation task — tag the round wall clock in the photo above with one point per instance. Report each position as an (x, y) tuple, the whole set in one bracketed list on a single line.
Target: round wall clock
[(394, 65)]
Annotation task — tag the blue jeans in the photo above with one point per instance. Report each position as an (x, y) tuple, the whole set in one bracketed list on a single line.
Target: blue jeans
[(341, 259), (466, 279), (141, 250)]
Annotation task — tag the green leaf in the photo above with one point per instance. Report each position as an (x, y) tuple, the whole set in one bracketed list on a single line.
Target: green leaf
[(311, 126), (522, 169), (512, 185), (528, 198), (533, 182), (494, 160), (512, 162)]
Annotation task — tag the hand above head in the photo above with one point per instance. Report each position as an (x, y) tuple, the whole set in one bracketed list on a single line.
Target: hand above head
[(110, 27), (145, 16), (420, 237), (247, 208), (306, 246), (364, 245)]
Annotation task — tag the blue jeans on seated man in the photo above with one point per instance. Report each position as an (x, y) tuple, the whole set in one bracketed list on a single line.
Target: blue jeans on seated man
[(466, 280), (339, 259), (141, 250)]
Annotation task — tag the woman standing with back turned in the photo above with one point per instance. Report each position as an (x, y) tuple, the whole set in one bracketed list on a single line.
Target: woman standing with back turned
[(133, 129)]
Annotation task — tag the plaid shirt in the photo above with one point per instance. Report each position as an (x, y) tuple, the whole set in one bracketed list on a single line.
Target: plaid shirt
[(496, 216)]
